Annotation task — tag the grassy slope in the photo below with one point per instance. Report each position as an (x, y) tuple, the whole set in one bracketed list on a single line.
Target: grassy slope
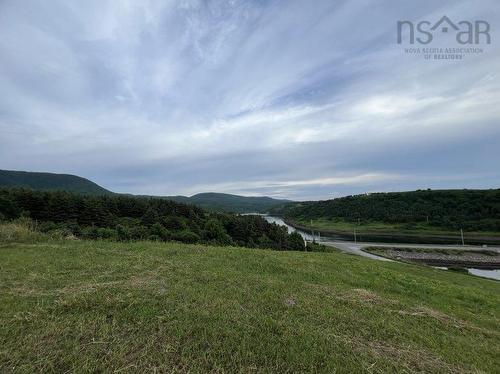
[(97, 306)]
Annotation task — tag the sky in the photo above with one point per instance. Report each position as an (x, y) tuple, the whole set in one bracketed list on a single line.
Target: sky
[(303, 100)]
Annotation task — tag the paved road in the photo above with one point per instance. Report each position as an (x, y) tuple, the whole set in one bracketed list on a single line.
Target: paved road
[(355, 248)]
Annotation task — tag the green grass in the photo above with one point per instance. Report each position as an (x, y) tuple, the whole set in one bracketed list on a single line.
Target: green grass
[(342, 226), (83, 306)]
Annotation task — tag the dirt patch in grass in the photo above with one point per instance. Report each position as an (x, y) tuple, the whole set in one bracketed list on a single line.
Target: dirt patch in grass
[(406, 358), (413, 360), (361, 295), (426, 312), (423, 311), (133, 282)]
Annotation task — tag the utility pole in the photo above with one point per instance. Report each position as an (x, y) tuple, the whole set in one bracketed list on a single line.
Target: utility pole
[(462, 235), (312, 231), (355, 239)]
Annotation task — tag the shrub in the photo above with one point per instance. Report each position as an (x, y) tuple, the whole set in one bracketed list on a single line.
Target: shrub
[(89, 232), (315, 247), (186, 236), (214, 232), (139, 232), (21, 230), (154, 238), (47, 226), (160, 231), (296, 242), (106, 233), (174, 223), (150, 217), (123, 233), (265, 242)]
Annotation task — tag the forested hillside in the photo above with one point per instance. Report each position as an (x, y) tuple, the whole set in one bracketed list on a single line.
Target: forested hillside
[(50, 182), (231, 203), (475, 210), (118, 217)]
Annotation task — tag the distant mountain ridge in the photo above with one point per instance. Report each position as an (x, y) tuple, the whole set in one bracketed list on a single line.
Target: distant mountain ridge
[(50, 182), (231, 203), (72, 183)]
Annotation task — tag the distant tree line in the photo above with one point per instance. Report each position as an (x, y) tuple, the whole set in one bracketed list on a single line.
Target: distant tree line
[(119, 217), (473, 210)]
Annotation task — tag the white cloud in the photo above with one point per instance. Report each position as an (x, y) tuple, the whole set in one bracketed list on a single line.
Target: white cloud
[(94, 87)]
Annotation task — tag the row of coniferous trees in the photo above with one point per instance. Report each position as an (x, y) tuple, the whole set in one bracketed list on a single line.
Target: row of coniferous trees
[(120, 217)]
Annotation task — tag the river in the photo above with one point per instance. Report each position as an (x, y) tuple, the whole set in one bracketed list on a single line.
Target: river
[(279, 221)]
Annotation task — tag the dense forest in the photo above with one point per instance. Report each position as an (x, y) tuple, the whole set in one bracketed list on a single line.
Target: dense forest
[(473, 210), (223, 202), (119, 217)]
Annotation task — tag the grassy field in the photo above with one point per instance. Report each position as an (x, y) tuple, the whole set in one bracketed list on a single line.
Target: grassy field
[(84, 306), (420, 233), (380, 227)]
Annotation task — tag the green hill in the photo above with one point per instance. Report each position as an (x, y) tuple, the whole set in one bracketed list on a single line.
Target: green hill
[(97, 306), (50, 182), (71, 183), (471, 210), (231, 203)]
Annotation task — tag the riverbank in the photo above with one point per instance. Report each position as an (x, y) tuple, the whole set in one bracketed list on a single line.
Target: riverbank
[(487, 260), (368, 234)]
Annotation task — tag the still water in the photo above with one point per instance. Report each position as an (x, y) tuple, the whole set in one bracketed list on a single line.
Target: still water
[(492, 274)]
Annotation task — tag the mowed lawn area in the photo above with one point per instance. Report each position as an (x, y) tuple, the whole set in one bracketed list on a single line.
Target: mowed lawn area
[(84, 306)]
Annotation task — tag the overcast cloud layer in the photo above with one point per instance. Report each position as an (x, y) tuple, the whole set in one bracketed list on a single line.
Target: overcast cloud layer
[(296, 99)]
